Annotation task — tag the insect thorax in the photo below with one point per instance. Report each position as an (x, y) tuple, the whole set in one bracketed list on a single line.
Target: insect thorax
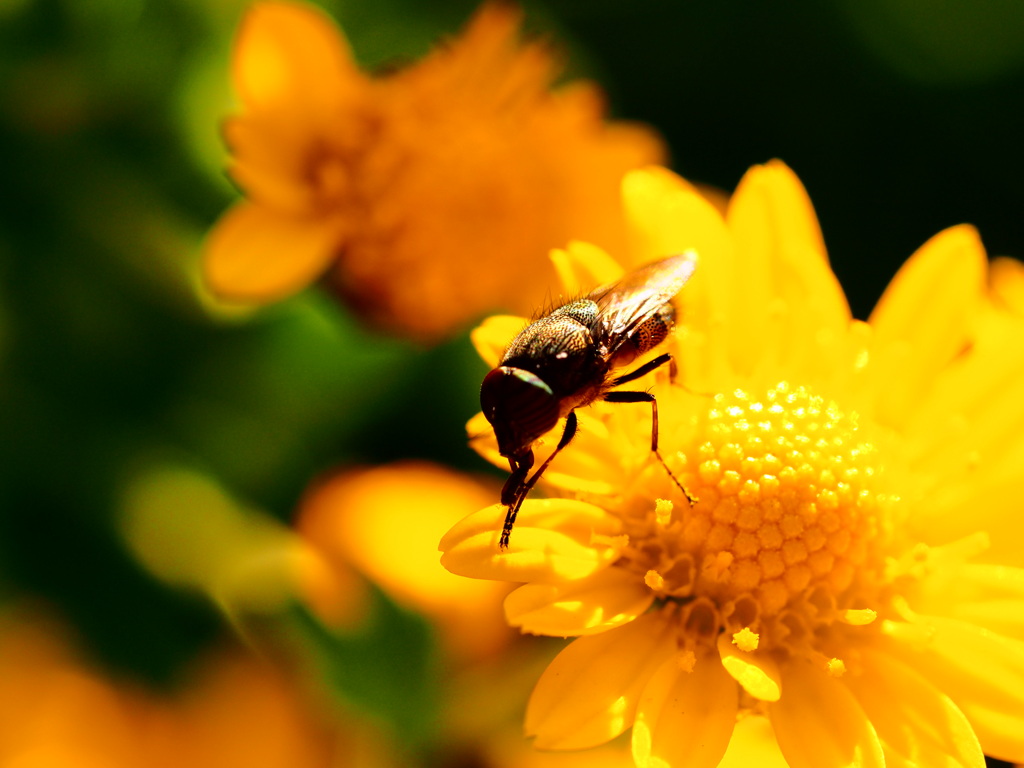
[(560, 348)]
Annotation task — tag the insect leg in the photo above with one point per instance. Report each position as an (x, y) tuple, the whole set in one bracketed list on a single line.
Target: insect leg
[(647, 397), (524, 488), (643, 370), (520, 468)]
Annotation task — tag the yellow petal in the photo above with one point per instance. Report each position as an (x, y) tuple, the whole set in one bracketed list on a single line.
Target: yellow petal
[(591, 464), (258, 254), (553, 540), (685, 718), (989, 596), (1006, 277), (582, 267), (982, 672), (817, 315), (758, 673), (753, 744), (586, 606), (291, 56), (819, 724), (994, 599), (971, 409), (913, 717), (1005, 617), (991, 503), (482, 440), (589, 693), (783, 289), (668, 216), (492, 337), (924, 318)]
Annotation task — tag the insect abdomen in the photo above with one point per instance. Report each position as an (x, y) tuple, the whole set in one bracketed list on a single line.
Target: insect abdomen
[(645, 337)]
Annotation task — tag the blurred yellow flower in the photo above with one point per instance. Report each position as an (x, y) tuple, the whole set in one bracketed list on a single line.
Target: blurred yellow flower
[(375, 521), (433, 193), (851, 573)]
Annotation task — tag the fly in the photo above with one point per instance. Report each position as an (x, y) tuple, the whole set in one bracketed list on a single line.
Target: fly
[(568, 358)]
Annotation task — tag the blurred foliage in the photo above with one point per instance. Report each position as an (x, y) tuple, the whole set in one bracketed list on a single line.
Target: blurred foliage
[(901, 118), (388, 669)]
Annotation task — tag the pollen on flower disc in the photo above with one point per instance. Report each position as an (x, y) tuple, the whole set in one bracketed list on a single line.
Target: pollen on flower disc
[(786, 487)]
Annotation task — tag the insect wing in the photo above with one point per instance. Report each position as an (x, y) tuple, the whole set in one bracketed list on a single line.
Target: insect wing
[(625, 305)]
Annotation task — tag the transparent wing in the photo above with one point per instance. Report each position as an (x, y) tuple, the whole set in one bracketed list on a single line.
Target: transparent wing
[(626, 304)]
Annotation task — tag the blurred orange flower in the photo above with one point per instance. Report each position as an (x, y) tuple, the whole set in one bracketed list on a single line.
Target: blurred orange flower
[(377, 521), (433, 193), (234, 710), (847, 587), (1006, 277)]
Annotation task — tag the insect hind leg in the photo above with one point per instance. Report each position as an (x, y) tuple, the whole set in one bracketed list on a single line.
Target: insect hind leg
[(647, 397)]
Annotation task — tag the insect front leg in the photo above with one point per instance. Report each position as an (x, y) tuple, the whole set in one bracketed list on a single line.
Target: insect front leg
[(647, 397), (520, 468), (510, 516)]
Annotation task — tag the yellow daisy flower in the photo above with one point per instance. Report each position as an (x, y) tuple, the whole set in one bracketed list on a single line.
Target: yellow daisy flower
[(848, 587), (430, 195)]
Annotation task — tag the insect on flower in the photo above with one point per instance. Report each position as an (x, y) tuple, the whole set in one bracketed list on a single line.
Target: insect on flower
[(566, 360)]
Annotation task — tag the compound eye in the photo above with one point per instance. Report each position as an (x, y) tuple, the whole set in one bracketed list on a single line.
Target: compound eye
[(520, 407)]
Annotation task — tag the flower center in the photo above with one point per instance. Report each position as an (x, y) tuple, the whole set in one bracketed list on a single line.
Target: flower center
[(787, 510)]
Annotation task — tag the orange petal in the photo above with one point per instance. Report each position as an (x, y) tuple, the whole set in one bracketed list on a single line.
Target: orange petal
[(913, 717), (925, 318), (292, 56), (553, 540), (589, 693), (586, 606), (258, 254), (758, 673), (685, 718), (819, 724), (270, 160), (979, 670)]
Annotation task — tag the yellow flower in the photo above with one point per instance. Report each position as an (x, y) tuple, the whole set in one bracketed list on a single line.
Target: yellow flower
[(849, 583), (431, 194), (374, 521)]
